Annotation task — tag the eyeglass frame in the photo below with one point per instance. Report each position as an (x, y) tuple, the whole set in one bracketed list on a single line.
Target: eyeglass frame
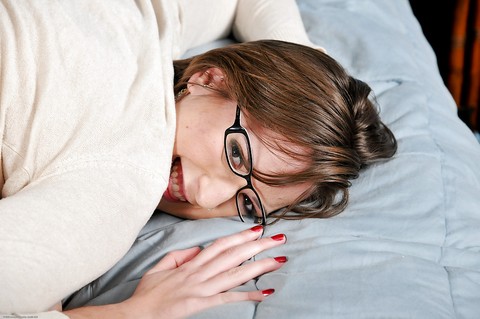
[(238, 128)]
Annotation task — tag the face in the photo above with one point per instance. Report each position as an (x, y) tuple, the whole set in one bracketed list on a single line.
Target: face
[(201, 183)]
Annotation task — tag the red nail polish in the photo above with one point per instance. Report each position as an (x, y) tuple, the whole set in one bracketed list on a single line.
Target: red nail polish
[(268, 292), (279, 237), (281, 259), (256, 228)]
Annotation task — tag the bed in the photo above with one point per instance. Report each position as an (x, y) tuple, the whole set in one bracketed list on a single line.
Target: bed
[(408, 244)]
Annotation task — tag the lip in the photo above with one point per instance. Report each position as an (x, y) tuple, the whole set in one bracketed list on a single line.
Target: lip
[(175, 191)]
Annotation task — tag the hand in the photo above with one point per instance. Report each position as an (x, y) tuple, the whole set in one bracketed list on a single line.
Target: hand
[(188, 281)]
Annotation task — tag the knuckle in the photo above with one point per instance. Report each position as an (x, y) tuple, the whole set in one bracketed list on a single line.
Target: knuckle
[(170, 254), (231, 251), (234, 272), (195, 277), (227, 297), (189, 274), (221, 243)]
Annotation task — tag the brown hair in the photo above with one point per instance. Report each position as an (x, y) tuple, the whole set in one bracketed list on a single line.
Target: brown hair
[(308, 98)]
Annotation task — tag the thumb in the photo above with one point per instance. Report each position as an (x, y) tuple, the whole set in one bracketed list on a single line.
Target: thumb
[(174, 259)]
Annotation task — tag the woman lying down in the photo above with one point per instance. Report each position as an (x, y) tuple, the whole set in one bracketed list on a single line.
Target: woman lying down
[(96, 136)]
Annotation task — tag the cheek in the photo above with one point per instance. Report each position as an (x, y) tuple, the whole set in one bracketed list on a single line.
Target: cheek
[(201, 139), (281, 196)]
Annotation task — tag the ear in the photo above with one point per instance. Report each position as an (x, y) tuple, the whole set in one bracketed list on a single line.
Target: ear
[(212, 77)]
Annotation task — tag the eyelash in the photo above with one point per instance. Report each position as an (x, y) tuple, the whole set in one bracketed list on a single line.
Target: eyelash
[(235, 148), (249, 207)]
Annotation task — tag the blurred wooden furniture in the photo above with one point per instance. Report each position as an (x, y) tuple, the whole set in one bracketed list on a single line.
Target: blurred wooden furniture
[(454, 34), (464, 72)]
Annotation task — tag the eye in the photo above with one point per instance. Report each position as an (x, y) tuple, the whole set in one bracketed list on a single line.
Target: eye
[(236, 156), (248, 208), (237, 148)]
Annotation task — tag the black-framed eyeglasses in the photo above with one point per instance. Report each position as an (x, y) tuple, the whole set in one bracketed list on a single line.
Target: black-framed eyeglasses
[(239, 159)]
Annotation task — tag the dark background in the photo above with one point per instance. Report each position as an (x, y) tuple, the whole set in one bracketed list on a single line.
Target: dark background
[(436, 19)]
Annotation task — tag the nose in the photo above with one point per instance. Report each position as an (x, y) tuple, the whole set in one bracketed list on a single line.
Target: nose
[(214, 191)]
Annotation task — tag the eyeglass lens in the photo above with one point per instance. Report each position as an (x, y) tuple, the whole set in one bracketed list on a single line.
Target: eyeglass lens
[(249, 206), (238, 153)]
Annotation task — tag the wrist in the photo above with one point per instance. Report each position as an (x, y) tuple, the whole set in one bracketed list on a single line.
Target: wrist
[(119, 311)]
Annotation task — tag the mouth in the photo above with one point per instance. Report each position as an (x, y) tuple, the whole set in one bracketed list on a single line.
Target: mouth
[(175, 191)]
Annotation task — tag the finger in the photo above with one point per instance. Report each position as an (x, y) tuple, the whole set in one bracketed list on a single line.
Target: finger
[(234, 256), (222, 244), (235, 296), (175, 259), (239, 275)]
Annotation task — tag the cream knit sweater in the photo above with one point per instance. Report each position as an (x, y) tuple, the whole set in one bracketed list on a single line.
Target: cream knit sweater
[(87, 121)]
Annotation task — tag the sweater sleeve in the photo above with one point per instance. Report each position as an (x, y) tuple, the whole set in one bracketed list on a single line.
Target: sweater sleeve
[(270, 19), (65, 230), (204, 21), (249, 20), (87, 122)]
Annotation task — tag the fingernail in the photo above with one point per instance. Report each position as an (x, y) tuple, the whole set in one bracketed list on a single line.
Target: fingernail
[(268, 292), (281, 259), (257, 228), (279, 237)]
